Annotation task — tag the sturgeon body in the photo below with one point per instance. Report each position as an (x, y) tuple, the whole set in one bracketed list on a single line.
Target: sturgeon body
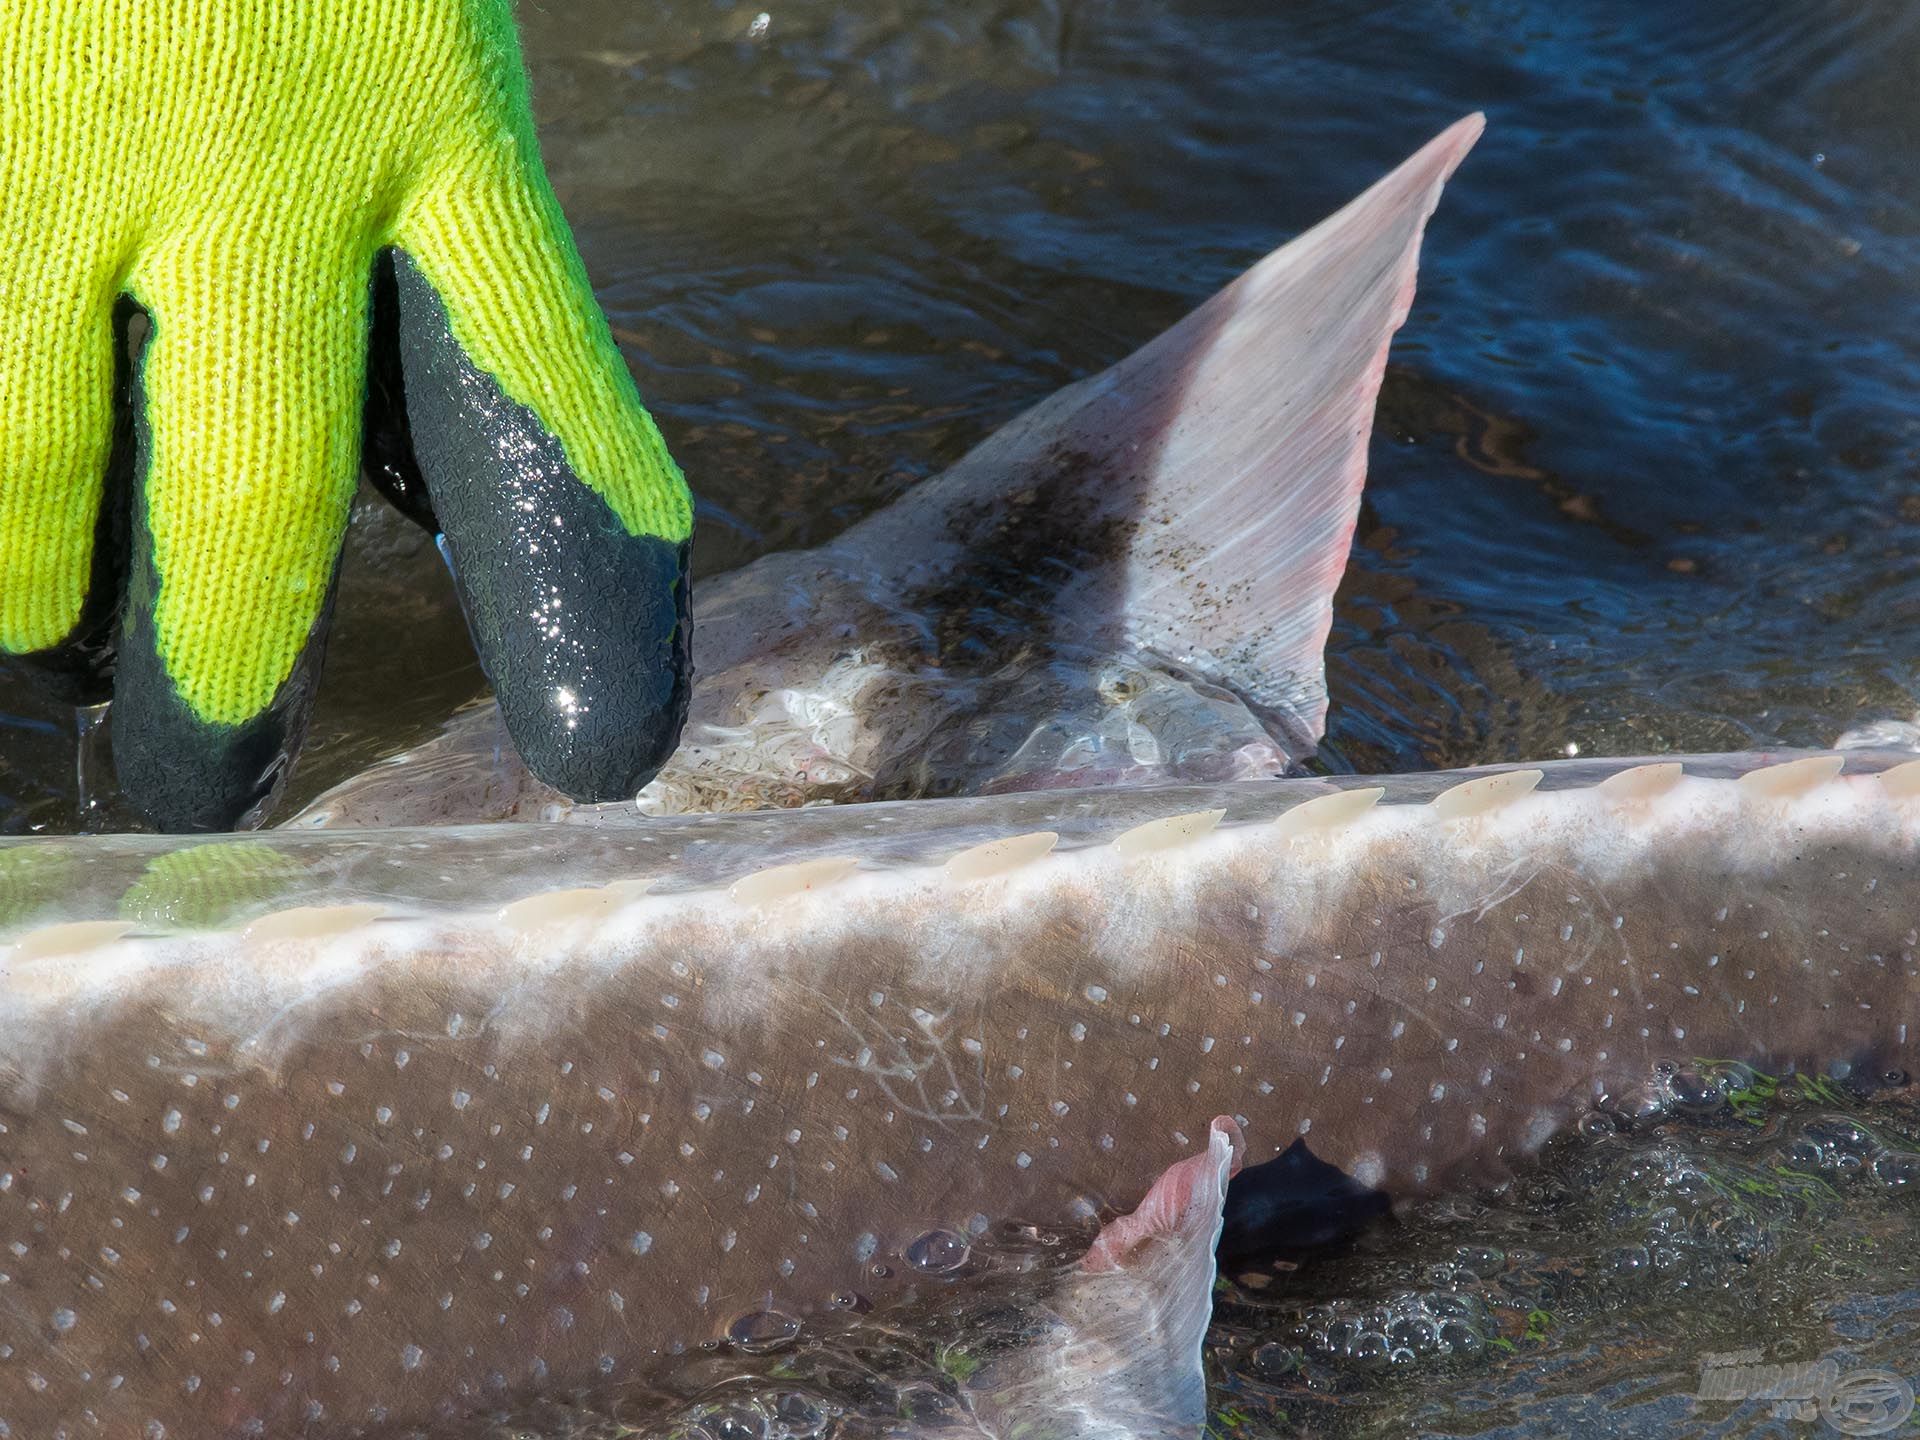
[(474, 1114)]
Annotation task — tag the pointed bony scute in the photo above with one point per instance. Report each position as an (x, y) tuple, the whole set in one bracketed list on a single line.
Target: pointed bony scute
[(1121, 1358), (1224, 460)]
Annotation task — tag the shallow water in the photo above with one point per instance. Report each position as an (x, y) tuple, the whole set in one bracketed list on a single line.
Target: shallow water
[(1599, 1295), (1644, 477)]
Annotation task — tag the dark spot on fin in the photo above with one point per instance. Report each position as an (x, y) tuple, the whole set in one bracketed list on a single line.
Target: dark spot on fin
[(1295, 1201)]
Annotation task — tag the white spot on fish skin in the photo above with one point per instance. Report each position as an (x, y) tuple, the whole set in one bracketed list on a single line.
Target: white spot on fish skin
[(1023, 1160), (1078, 1031), (885, 1171), (865, 1246), (640, 1243), (713, 1060), (64, 1320), (1540, 1129), (170, 1122), (461, 1099), (412, 1357), (1097, 994), (1369, 1169)]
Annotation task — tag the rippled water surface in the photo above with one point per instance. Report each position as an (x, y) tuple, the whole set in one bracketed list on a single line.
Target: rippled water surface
[(1644, 479), (1597, 1296)]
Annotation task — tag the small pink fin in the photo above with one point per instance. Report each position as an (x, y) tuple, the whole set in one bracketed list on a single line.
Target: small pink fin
[(1121, 1356), (1183, 1205)]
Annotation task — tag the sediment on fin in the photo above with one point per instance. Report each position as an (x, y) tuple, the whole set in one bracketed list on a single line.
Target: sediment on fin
[(1224, 460), (1185, 516)]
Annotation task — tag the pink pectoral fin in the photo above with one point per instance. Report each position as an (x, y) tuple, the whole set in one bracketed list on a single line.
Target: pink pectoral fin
[(1184, 1205)]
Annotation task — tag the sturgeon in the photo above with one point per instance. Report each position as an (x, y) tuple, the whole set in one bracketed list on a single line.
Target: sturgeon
[(357, 1133), (474, 1114)]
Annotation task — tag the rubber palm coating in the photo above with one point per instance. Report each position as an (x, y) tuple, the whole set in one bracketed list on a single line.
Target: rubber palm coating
[(583, 627)]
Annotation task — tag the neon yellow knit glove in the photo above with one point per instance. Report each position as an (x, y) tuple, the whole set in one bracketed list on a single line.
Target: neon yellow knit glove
[(287, 187)]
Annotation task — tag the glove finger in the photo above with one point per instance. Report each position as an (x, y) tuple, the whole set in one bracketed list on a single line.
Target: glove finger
[(567, 523), (65, 457), (247, 420)]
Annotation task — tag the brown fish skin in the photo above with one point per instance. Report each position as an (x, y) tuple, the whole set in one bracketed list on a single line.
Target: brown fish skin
[(353, 1183)]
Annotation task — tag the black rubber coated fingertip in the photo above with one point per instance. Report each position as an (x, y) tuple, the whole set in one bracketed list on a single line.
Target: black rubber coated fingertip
[(600, 728), (581, 626), (187, 776), (184, 773)]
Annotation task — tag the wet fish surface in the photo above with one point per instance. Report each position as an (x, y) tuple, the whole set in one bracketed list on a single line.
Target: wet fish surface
[(370, 1158)]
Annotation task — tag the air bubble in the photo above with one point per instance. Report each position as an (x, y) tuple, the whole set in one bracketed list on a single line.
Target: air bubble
[(762, 1332), (938, 1252)]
